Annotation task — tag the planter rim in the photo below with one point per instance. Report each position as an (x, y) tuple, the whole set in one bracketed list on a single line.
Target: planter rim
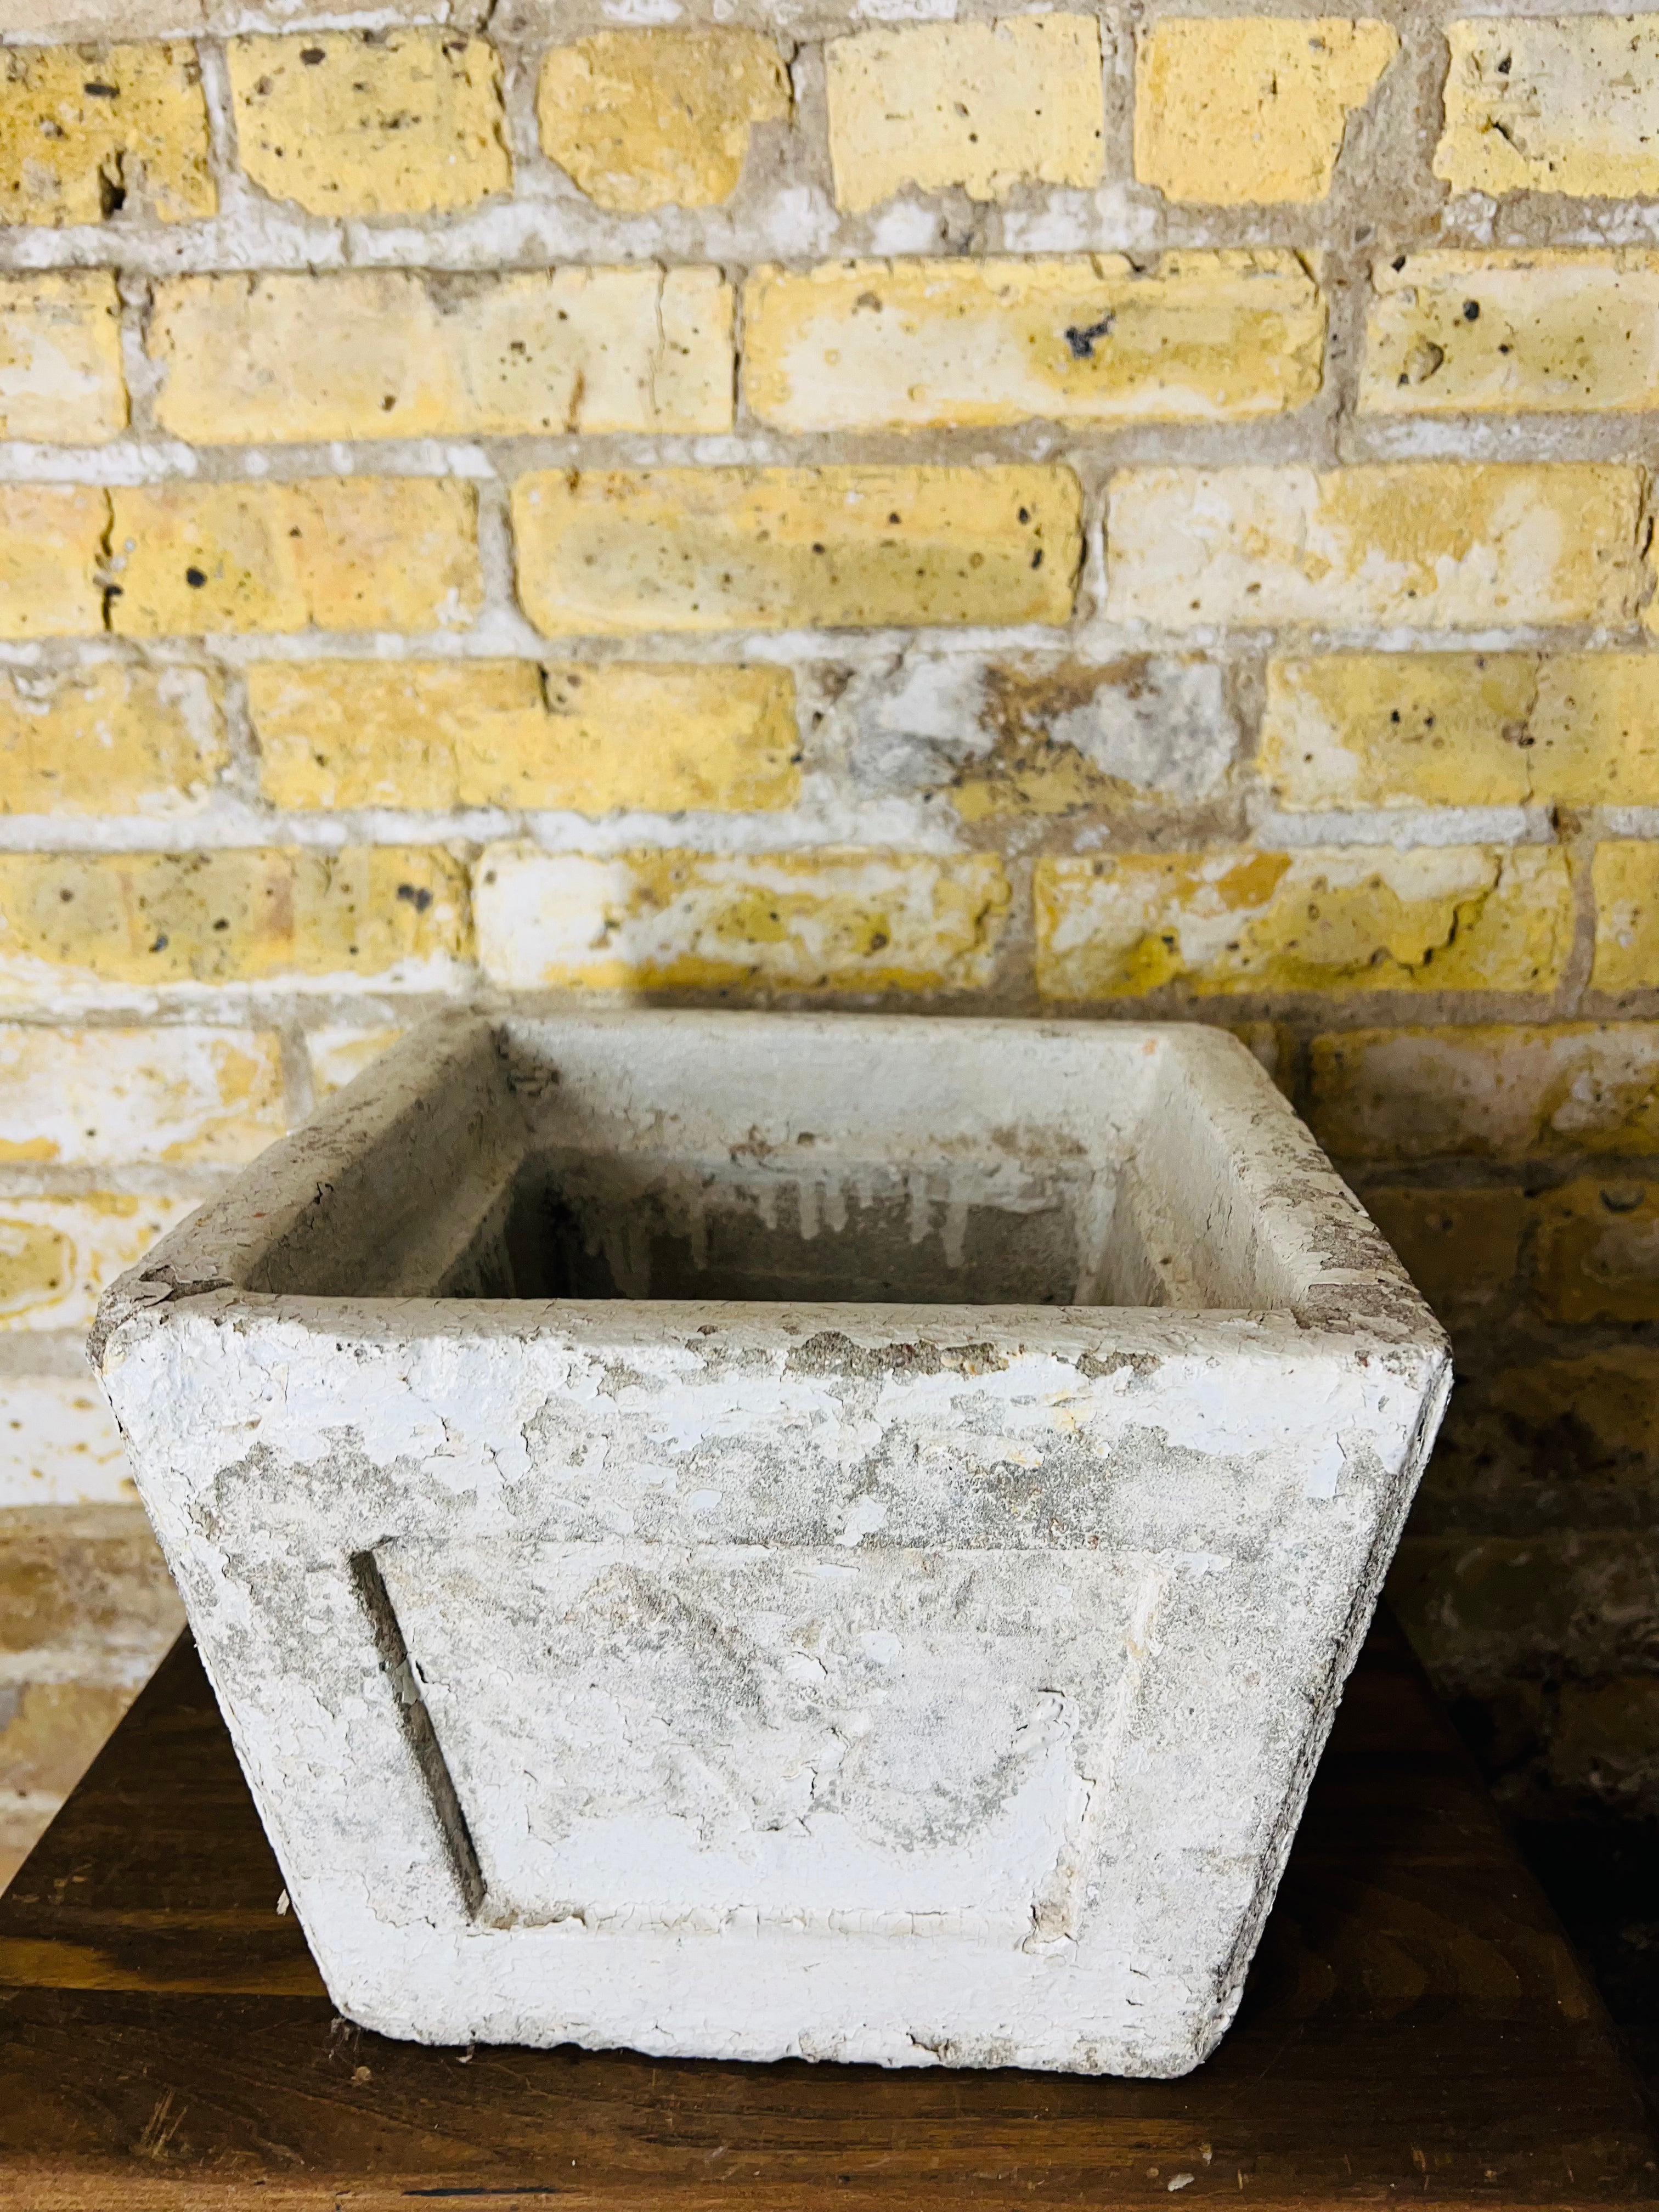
[(1346, 1279)]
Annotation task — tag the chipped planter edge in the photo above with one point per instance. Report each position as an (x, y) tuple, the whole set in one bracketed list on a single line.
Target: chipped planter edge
[(1096, 1574)]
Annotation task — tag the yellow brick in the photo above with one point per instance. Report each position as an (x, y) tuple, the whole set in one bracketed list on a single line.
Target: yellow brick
[(1237, 109), (1594, 728), (507, 733), (60, 357), (349, 553), (1563, 332), (1505, 1609), (1552, 104), (222, 917), (83, 129), (1461, 1248), (1491, 1091), (1605, 1741), (59, 1446), (809, 921), (1455, 729), (1597, 1256), (337, 1055), (55, 1731), (776, 548), (926, 344), (381, 354), (1625, 878), (355, 123), (642, 119), (108, 738), (57, 1255), (984, 106), (1430, 545), (87, 1589), (1040, 779), (1350, 919), (51, 541), (127, 1097), (1611, 1395)]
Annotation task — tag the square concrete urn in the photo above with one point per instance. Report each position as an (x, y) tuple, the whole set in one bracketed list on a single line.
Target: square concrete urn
[(766, 1535)]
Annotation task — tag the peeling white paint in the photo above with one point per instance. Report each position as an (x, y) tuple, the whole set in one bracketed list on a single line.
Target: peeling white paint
[(842, 1676)]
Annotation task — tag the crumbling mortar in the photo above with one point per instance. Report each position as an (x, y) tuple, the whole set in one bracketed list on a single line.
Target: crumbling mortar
[(224, 164), (500, 621), (299, 1088), (1647, 516), (139, 374), (105, 562), (521, 68), (1344, 292), (1092, 453), (1575, 971), (241, 777)]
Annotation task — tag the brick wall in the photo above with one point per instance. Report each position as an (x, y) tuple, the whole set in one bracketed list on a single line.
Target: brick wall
[(1111, 512)]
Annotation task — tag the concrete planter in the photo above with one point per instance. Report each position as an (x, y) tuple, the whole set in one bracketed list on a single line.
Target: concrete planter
[(759, 1534)]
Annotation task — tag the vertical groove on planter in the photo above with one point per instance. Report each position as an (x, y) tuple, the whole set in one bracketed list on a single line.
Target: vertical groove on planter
[(418, 1727)]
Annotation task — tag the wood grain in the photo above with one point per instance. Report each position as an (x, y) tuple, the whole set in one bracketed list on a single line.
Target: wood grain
[(1415, 2026)]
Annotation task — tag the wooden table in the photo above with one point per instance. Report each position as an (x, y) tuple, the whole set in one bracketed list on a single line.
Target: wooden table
[(1415, 2027)]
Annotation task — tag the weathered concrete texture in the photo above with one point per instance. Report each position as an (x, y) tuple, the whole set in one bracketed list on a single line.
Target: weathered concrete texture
[(783, 1536)]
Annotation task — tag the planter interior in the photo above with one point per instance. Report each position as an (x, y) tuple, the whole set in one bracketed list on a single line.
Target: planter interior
[(751, 1535)]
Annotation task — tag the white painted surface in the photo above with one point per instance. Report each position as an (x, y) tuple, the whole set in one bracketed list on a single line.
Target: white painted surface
[(745, 1676)]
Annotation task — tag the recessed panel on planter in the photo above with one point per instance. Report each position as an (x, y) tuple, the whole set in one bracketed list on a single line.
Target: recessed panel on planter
[(646, 1737)]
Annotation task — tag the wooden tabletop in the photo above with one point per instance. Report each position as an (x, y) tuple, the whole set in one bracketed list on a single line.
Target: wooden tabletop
[(1415, 2026)]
